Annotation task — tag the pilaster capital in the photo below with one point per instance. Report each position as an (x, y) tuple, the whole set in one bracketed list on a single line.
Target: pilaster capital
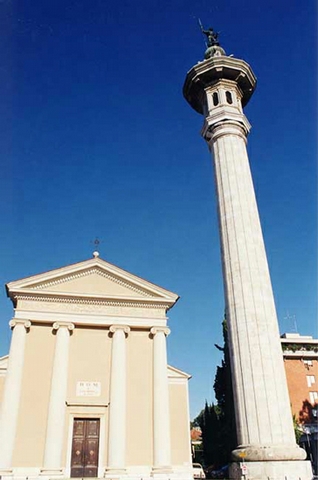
[(155, 330), (20, 321), (115, 328), (58, 325)]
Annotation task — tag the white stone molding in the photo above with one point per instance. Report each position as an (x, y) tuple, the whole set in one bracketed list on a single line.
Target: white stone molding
[(161, 415), (12, 391), (117, 406), (78, 299), (52, 464), (99, 317)]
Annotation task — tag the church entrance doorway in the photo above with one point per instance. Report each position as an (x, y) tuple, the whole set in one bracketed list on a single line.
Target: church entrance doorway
[(84, 460)]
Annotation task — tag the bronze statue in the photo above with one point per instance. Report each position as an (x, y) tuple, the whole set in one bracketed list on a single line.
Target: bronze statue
[(213, 46), (212, 36)]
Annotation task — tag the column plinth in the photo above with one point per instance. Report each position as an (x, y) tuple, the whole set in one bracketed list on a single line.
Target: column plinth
[(11, 395), (117, 403), (52, 464), (161, 416)]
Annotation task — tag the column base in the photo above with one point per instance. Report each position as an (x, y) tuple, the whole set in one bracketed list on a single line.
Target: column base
[(268, 453), (157, 472), (273, 470), (6, 472), (115, 473), (52, 472)]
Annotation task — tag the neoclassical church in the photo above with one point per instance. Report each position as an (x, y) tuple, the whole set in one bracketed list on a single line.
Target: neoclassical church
[(86, 390)]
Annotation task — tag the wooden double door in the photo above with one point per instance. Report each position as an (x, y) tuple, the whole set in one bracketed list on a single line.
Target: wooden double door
[(84, 460)]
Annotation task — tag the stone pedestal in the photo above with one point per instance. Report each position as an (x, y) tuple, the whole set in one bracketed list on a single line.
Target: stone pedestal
[(280, 470)]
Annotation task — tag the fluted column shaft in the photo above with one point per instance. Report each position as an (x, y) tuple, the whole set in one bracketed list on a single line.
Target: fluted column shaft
[(117, 407), (12, 390), (261, 397), (56, 413), (161, 417)]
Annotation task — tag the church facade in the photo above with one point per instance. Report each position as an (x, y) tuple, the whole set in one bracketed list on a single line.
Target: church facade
[(86, 390)]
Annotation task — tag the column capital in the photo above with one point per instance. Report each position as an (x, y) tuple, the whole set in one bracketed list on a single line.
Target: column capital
[(212, 131), (115, 328), (68, 325), (20, 321), (155, 330)]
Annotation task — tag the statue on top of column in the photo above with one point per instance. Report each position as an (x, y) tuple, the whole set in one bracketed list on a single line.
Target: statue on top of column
[(213, 45), (212, 36)]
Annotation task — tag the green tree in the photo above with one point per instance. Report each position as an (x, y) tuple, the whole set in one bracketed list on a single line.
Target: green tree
[(225, 402), (207, 420), (298, 431), (217, 422)]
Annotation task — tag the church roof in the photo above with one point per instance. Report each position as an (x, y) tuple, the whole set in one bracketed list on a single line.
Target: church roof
[(93, 278), (174, 372)]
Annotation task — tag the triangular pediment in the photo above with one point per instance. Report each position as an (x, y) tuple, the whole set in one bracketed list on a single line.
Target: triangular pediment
[(93, 278), (93, 281)]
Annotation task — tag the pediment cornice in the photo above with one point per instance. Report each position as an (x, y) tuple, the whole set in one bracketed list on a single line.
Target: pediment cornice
[(31, 295), (118, 287)]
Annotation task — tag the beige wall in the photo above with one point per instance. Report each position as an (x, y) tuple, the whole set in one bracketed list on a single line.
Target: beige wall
[(179, 424), (89, 360), (32, 418), (139, 399)]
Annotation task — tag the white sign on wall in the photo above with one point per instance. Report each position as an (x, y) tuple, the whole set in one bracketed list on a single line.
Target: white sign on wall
[(88, 389), (243, 468)]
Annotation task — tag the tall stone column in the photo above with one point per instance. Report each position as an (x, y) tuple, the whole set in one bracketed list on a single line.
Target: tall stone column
[(117, 403), (161, 417), (218, 88), (56, 414), (257, 362), (11, 395)]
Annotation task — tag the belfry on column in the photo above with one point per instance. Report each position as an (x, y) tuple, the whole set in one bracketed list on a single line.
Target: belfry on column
[(218, 88), (87, 390)]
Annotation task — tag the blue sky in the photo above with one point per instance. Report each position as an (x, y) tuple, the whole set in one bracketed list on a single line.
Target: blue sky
[(97, 140)]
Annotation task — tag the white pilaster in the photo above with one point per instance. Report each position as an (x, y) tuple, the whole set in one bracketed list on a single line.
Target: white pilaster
[(11, 395), (56, 415), (161, 417), (117, 406)]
